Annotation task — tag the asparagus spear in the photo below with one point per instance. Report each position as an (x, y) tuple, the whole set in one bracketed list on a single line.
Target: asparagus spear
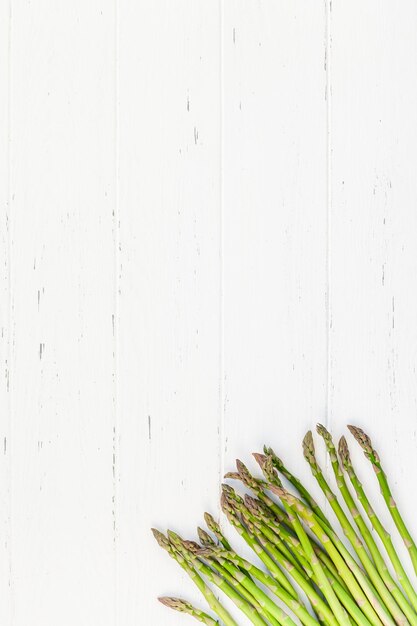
[(185, 607), (390, 583), (231, 514), (323, 582), (304, 493), (354, 578), (376, 523), (212, 601), (223, 568), (215, 529), (355, 540), (295, 605), (371, 454), (246, 607)]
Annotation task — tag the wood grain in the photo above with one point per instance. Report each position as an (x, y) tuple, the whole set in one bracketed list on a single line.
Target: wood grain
[(62, 198), (208, 242)]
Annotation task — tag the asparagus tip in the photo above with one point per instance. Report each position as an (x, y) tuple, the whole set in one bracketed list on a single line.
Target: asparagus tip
[(174, 538), (259, 458), (228, 490), (279, 491), (275, 459), (344, 452), (160, 538), (308, 449), (323, 432), (205, 538), (175, 603), (232, 475), (191, 546), (364, 441), (205, 552)]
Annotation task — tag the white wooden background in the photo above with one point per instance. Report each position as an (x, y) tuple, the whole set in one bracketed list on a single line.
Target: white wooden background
[(208, 241)]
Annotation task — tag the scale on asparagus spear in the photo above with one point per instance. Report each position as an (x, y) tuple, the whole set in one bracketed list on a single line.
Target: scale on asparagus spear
[(302, 573)]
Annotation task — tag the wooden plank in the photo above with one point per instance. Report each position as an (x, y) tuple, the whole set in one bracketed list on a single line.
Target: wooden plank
[(62, 189), (275, 227), (169, 284), (374, 231), (5, 302)]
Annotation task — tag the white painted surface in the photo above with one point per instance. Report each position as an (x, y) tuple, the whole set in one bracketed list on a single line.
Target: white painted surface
[(208, 241)]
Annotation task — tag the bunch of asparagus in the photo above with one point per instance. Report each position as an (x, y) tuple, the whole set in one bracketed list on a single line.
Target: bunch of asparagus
[(305, 573)]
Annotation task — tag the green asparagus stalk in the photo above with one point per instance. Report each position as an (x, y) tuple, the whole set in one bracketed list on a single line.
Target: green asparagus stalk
[(316, 600), (355, 540), (215, 529), (304, 493), (231, 513), (185, 607), (246, 607), (295, 605), (309, 570), (211, 599), (390, 584), (224, 570), (354, 578), (376, 523), (371, 454), (318, 570)]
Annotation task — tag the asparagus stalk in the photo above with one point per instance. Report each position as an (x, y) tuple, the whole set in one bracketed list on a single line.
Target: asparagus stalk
[(323, 582), (185, 607), (391, 586), (295, 541), (351, 573), (223, 568), (230, 512), (295, 605), (371, 454), (376, 523), (304, 493), (302, 580), (258, 489), (246, 607), (355, 540), (211, 599), (215, 529)]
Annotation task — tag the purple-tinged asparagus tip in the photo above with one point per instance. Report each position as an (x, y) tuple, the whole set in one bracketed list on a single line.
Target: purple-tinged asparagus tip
[(259, 458), (323, 432), (176, 603), (205, 538), (365, 442), (160, 538), (344, 453), (232, 476), (308, 449)]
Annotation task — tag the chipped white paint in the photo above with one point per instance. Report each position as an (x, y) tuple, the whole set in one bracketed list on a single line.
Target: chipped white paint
[(208, 241)]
